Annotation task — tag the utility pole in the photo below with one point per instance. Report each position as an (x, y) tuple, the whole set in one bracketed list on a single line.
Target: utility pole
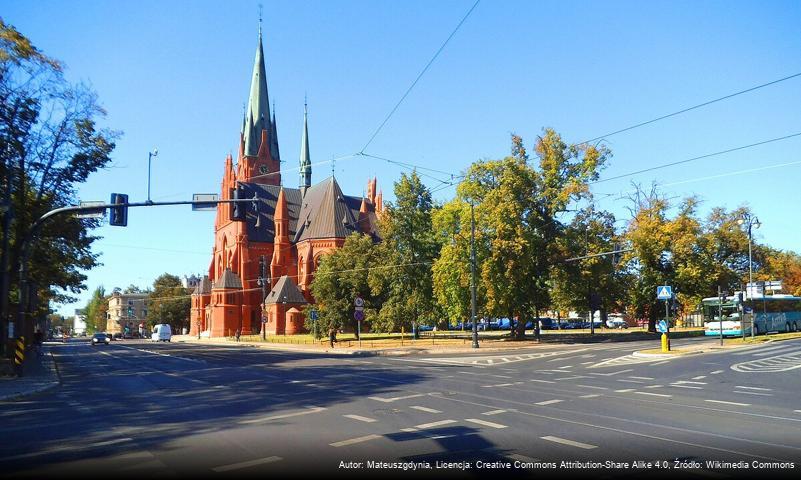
[(473, 274)]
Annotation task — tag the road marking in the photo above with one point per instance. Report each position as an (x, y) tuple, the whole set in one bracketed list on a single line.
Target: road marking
[(686, 386), (729, 403), (699, 377), (394, 399), (592, 386), (285, 415), (776, 352), (625, 390), (498, 385), (642, 378), (587, 363), (612, 373), (251, 463), (716, 372), (434, 424), (660, 363), (542, 381), (500, 376), (653, 386), (351, 441), (572, 443), (424, 409), (572, 378), (566, 366), (485, 423), (548, 402), (688, 381), (754, 388), (360, 418), (797, 411), (653, 394), (754, 393), (110, 442), (494, 412), (629, 381), (592, 395)]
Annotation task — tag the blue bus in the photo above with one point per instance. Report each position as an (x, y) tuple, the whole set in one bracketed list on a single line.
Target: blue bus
[(770, 313)]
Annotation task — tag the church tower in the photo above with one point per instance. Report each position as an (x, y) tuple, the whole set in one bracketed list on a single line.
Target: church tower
[(259, 160), (305, 158)]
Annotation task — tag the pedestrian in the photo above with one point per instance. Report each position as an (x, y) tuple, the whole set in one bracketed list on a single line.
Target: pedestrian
[(332, 336), (238, 333), (38, 338)]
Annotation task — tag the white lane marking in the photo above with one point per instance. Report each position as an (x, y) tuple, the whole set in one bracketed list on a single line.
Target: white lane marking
[(282, 416), (360, 418), (434, 424), (500, 376), (777, 352), (592, 386), (251, 463), (498, 385), (653, 386), (642, 378), (630, 381), (494, 412), (573, 377), (566, 366), (692, 383), (485, 423), (797, 411), (548, 402), (351, 441), (763, 349), (754, 393), (660, 363), (699, 377), (686, 386), (542, 381), (716, 372), (592, 395), (425, 409), (572, 443), (754, 388), (625, 390), (395, 399), (653, 394), (110, 442), (612, 373), (587, 363), (730, 403)]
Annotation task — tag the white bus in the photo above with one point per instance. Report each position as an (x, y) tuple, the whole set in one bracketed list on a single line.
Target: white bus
[(772, 313)]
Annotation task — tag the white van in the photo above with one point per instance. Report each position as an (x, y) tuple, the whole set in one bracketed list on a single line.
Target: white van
[(161, 333)]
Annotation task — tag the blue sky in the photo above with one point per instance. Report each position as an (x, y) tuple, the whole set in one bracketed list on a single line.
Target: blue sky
[(174, 75)]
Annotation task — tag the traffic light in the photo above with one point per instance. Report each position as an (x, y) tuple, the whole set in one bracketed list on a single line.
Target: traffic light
[(119, 215), (239, 210)]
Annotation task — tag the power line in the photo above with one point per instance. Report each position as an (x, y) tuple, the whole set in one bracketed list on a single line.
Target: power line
[(658, 167), (419, 76), (694, 107)]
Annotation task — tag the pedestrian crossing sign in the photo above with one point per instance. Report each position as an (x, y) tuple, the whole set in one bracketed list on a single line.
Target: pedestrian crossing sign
[(664, 292)]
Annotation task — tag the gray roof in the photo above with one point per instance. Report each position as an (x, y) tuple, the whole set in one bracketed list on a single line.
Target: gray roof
[(326, 213), (323, 212), (228, 280), (285, 291), (203, 286)]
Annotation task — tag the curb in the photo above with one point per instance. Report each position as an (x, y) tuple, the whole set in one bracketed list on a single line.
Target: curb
[(35, 389)]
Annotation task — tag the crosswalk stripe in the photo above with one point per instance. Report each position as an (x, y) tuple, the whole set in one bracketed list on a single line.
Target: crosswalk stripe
[(360, 418), (434, 424), (494, 412), (572, 443), (351, 441), (548, 402), (485, 423), (425, 409), (250, 463)]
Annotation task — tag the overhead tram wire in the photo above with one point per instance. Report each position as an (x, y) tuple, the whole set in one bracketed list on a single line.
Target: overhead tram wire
[(680, 162), (694, 107), (419, 76)]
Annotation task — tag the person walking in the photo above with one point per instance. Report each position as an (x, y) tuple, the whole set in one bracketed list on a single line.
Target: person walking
[(332, 336), (238, 333)]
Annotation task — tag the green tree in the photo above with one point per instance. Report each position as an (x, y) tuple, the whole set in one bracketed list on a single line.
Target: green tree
[(342, 276), (410, 243), (168, 303), (50, 145), (97, 311)]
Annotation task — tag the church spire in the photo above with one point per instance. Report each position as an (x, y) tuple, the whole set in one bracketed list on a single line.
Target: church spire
[(257, 117), (305, 157)]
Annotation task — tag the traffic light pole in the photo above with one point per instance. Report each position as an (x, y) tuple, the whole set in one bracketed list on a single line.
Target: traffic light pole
[(31, 235)]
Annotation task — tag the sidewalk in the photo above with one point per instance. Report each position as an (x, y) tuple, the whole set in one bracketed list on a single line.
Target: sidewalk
[(39, 375), (416, 347)]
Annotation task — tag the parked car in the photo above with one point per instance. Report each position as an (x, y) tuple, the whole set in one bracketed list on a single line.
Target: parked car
[(615, 322), (101, 338), (424, 328), (548, 323)]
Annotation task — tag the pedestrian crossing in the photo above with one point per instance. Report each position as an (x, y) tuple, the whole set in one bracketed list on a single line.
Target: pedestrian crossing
[(781, 361)]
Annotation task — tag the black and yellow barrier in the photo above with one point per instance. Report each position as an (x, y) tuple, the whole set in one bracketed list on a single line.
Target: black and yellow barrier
[(19, 354)]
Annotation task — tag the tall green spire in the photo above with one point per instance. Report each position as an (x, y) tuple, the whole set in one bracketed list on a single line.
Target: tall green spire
[(305, 158), (257, 117)]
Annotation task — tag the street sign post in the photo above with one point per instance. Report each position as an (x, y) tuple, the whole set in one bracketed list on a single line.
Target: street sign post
[(212, 198), (358, 314), (665, 292), (99, 213), (662, 326)]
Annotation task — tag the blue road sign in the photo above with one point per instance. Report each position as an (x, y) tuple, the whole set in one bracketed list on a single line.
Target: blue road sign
[(662, 326), (358, 315), (664, 292), (313, 315)]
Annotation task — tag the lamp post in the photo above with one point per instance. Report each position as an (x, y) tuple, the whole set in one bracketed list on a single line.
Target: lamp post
[(150, 156), (752, 222)]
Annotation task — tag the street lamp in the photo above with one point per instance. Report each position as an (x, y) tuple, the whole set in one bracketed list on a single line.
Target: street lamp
[(150, 156), (752, 222)]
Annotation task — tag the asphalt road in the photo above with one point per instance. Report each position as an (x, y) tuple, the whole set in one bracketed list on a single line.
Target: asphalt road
[(134, 409)]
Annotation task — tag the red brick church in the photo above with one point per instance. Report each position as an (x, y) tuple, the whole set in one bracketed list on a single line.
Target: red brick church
[(288, 232)]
